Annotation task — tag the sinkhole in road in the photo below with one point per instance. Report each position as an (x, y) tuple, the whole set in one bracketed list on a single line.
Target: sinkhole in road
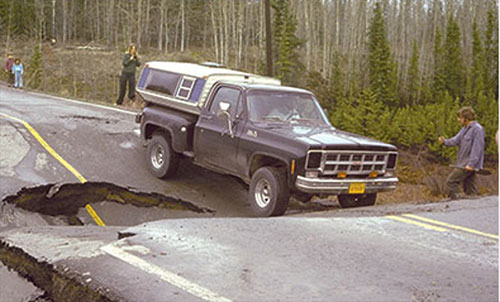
[(64, 204)]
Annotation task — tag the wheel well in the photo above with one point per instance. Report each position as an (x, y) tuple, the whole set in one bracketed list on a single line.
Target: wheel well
[(262, 161), (150, 129)]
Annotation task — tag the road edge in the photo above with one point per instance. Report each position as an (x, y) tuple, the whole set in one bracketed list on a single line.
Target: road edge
[(59, 284)]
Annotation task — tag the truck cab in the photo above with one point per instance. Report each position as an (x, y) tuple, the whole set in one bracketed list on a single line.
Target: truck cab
[(277, 139)]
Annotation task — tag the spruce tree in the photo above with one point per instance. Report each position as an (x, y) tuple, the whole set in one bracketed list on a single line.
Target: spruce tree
[(286, 43), (453, 62), (443, 115), (414, 77), (381, 65), (35, 68), (477, 73), (337, 78), (490, 78), (438, 82), (364, 114), (487, 114)]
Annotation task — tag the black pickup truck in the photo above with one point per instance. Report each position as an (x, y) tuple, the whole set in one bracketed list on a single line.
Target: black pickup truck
[(277, 139)]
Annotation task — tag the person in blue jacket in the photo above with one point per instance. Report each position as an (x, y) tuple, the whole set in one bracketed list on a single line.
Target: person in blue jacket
[(18, 70), (470, 142)]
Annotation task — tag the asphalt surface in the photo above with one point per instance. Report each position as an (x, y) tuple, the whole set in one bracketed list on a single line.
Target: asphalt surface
[(101, 144), (426, 252)]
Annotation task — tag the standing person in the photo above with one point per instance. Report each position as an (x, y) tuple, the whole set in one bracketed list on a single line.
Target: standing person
[(130, 63), (18, 70), (8, 69), (470, 142)]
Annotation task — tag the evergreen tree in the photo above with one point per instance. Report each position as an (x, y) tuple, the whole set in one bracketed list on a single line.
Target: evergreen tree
[(381, 65), (365, 115), (453, 63), (487, 114), (319, 86), (491, 56), (287, 64), (438, 84), (414, 77), (337, 78), (443, 117), (35, 68), (477, 72)]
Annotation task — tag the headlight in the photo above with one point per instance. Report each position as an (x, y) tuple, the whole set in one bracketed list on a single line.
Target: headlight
[(391, 163), (314, 160)]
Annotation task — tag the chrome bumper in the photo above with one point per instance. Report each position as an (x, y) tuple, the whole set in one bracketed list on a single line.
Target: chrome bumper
[(341, 186)]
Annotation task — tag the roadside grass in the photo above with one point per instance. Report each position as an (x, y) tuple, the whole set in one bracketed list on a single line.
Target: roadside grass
[(422, 179)]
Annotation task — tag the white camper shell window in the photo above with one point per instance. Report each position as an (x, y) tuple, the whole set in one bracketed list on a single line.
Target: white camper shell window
[(185, 87)]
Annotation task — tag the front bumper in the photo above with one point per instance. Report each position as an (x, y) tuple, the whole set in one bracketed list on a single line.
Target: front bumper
[(341, 186)]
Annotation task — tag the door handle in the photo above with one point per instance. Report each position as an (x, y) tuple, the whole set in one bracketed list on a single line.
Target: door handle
[(207, 117)]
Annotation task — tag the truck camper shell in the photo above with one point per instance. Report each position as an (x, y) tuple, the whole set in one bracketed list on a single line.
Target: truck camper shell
[(185, 86)]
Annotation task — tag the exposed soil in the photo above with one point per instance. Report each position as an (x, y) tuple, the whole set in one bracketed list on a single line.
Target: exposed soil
[(422, 179)]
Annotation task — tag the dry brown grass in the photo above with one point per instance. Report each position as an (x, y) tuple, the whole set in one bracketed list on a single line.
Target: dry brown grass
[(422, 179)]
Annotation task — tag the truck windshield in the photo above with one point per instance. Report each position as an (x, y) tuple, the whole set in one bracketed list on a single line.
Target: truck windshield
[(272, 105)]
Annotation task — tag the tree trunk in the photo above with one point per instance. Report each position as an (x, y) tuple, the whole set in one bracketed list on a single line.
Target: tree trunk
[(215, 30), (182, 26), (65, 20)]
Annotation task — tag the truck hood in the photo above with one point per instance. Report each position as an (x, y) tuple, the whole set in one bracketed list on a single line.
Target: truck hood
[(324, 137)]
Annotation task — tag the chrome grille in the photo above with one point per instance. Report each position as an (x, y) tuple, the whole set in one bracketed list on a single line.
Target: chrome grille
[(352, 162)]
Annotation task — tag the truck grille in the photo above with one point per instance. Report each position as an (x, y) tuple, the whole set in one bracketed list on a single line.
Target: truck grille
[(354, 163)]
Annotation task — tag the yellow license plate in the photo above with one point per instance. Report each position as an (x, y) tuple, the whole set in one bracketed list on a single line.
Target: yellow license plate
[(357, 188)]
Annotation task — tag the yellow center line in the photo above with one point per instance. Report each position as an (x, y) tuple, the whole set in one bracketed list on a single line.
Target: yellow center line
[(452, 226), (417, 223), (94, 215), (52, 152)]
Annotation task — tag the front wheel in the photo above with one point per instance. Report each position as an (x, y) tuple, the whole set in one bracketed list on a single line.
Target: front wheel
[(162, 159), (269, 192), (357, 200)]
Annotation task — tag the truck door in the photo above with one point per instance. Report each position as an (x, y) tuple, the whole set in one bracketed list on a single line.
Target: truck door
[(213, 143)]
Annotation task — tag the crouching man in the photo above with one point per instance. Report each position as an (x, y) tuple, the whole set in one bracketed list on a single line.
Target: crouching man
[(470, 142)]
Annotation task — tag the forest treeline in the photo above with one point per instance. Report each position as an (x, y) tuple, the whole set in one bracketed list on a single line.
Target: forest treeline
[(396, 70)]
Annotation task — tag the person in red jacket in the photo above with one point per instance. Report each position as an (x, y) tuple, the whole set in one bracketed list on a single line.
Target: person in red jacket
[(8, 69)]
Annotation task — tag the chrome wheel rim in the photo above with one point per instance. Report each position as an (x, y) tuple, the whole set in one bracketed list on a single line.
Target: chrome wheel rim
[(157, 156), (263, 193)]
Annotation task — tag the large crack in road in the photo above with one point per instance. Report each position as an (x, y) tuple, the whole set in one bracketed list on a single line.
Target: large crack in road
[(62, 205), (67, 199)]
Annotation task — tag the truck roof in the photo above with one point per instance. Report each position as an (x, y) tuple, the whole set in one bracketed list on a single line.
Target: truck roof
[(197, 70), (250, 86), (194, 81)]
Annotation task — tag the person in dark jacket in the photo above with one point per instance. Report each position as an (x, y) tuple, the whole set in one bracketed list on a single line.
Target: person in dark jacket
[(8, 69), (470, 142), (130, 63)]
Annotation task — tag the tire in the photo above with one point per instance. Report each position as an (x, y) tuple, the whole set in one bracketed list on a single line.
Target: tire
[(162, 160), (357, 200), (268, 194)]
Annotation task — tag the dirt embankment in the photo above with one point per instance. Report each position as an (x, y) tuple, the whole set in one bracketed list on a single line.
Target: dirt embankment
[(422, 179)]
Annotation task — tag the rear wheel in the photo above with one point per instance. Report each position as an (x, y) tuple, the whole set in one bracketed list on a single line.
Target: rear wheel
[(269, 194), (162, 159), (357, 200)]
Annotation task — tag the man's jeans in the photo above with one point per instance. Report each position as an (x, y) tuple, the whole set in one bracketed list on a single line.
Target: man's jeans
[(457, 176)]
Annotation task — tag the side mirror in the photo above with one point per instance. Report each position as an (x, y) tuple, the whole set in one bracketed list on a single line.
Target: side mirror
[(224, 110), (224, 106)]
